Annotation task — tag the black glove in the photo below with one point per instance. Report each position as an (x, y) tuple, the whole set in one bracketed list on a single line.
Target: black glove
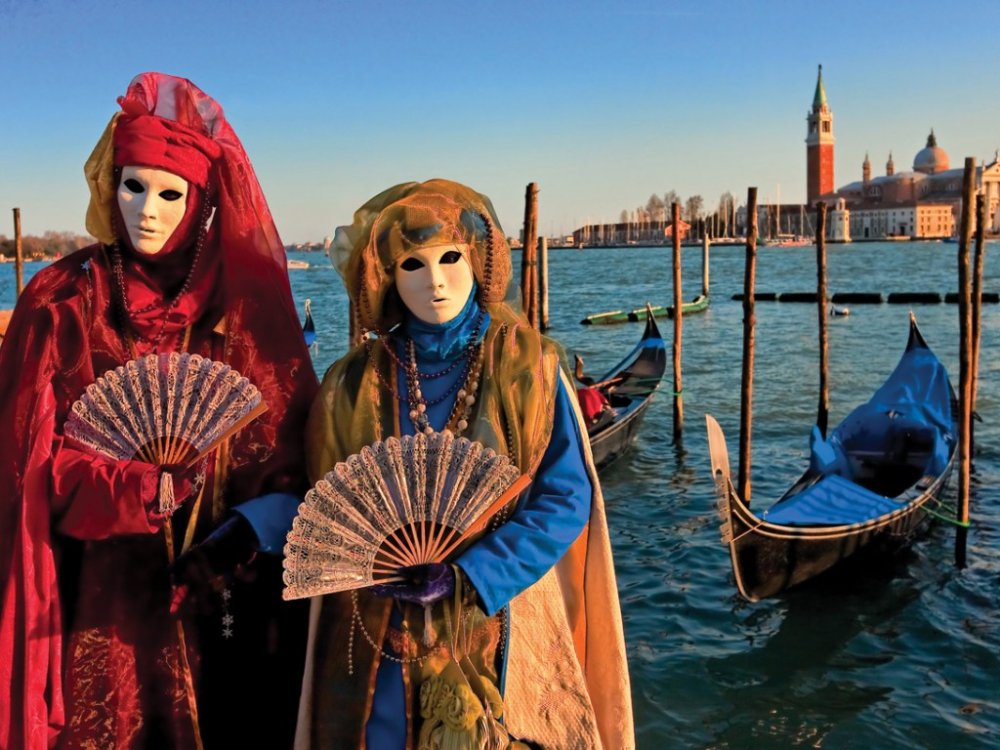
[(205, 565)]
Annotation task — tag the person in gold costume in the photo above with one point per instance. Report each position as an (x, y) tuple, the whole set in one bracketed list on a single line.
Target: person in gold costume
[(427, 270)]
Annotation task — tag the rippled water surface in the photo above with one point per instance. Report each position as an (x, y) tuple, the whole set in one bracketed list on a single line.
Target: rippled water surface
[(900, 653)]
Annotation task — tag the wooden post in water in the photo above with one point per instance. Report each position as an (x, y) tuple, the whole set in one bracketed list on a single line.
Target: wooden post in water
[(977, 304), (678, 326), (543, 281), (529, 273), (823, 411), (18, 255), (965, 358), (746, 386), (705, 244)]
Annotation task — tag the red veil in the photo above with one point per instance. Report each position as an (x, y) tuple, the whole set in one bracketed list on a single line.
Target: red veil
[(63, 334)]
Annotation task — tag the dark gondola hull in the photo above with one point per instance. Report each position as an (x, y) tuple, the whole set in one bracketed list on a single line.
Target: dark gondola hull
[(613, 442), (768, 558)]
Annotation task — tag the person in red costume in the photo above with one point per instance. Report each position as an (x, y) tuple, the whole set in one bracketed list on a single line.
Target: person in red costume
[(111, 637)]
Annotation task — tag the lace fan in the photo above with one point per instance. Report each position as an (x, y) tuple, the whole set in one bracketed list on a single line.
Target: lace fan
[(400, 502), (167, 409)]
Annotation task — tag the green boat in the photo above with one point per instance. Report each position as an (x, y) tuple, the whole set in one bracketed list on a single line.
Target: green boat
[(698, 304)]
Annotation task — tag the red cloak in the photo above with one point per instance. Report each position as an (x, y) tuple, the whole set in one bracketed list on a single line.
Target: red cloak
[(89, 654)]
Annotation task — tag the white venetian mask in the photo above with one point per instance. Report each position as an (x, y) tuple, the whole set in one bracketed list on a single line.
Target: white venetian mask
[(435, 282), (152, 203)]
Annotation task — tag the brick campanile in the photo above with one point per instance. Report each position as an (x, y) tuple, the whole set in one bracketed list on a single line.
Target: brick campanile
[(819, 145)]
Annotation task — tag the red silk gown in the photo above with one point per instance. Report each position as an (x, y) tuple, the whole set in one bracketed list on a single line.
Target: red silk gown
[(87, 645)]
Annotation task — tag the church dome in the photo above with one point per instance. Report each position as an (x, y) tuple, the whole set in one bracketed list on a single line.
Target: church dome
[(932, 158)]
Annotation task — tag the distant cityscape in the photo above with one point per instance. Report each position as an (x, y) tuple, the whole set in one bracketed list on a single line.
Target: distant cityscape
[(922, 203)]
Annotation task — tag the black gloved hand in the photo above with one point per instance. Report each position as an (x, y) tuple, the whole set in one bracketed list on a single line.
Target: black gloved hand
[(205, 565), (424, 584)]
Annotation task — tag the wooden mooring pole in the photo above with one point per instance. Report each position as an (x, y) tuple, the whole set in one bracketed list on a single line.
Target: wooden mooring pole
[(746, 386), (678, 327), (982, 217), (823, 411), (543, 281), (705, 245), (18, 255), (965, 358), (529, 271)]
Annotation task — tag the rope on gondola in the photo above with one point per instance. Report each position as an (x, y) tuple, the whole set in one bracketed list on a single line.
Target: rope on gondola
[(736, 538), (947, 519)]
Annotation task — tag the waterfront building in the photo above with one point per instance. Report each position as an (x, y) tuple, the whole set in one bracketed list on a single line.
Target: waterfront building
[(989, 180), (923, 203)]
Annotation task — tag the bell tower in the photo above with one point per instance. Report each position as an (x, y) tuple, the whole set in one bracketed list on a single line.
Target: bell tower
[(819, 145)]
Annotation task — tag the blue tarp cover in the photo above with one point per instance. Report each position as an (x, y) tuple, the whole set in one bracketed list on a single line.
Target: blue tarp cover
[(831, 501), (915, 400)]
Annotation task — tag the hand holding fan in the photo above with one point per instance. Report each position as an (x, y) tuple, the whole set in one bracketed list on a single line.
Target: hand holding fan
[(168, 409), (398, 503)]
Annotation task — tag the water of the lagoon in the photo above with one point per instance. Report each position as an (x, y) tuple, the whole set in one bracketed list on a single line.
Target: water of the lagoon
[(901, 655)]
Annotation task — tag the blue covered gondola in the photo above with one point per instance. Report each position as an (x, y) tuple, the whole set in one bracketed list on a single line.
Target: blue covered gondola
[(867, 483)]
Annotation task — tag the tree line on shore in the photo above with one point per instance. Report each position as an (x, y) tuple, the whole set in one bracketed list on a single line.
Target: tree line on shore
[(722, 221), (49, 245)]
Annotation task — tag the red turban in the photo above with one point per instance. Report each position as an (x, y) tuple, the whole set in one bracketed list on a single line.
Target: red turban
[(151, 141)]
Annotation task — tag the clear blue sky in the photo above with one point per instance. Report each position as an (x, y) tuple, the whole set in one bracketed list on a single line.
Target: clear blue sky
[(601, 103)]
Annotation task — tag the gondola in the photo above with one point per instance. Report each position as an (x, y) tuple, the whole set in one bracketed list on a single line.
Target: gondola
[(309, 328), (628, 389), (870, 484), (698, 304)]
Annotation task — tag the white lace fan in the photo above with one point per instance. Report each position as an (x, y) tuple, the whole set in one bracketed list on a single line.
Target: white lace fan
[(167, 409), (400, 502)]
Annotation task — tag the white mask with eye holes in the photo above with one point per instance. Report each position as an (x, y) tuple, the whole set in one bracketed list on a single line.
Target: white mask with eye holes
[(152, 203), (435, 282)]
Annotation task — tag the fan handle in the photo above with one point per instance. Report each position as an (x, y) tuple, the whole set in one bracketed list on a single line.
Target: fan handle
[(520, 484)]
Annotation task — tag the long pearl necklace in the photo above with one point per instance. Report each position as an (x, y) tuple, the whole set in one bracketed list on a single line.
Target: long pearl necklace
[(465, 387), (465, 397)]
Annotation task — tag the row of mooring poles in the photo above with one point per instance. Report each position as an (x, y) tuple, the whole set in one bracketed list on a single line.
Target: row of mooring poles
[(535, 288), (534, 264)]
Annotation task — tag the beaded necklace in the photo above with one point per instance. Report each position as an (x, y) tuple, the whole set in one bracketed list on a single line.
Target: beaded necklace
[(465, 397), (464, 388), (357, 623)]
